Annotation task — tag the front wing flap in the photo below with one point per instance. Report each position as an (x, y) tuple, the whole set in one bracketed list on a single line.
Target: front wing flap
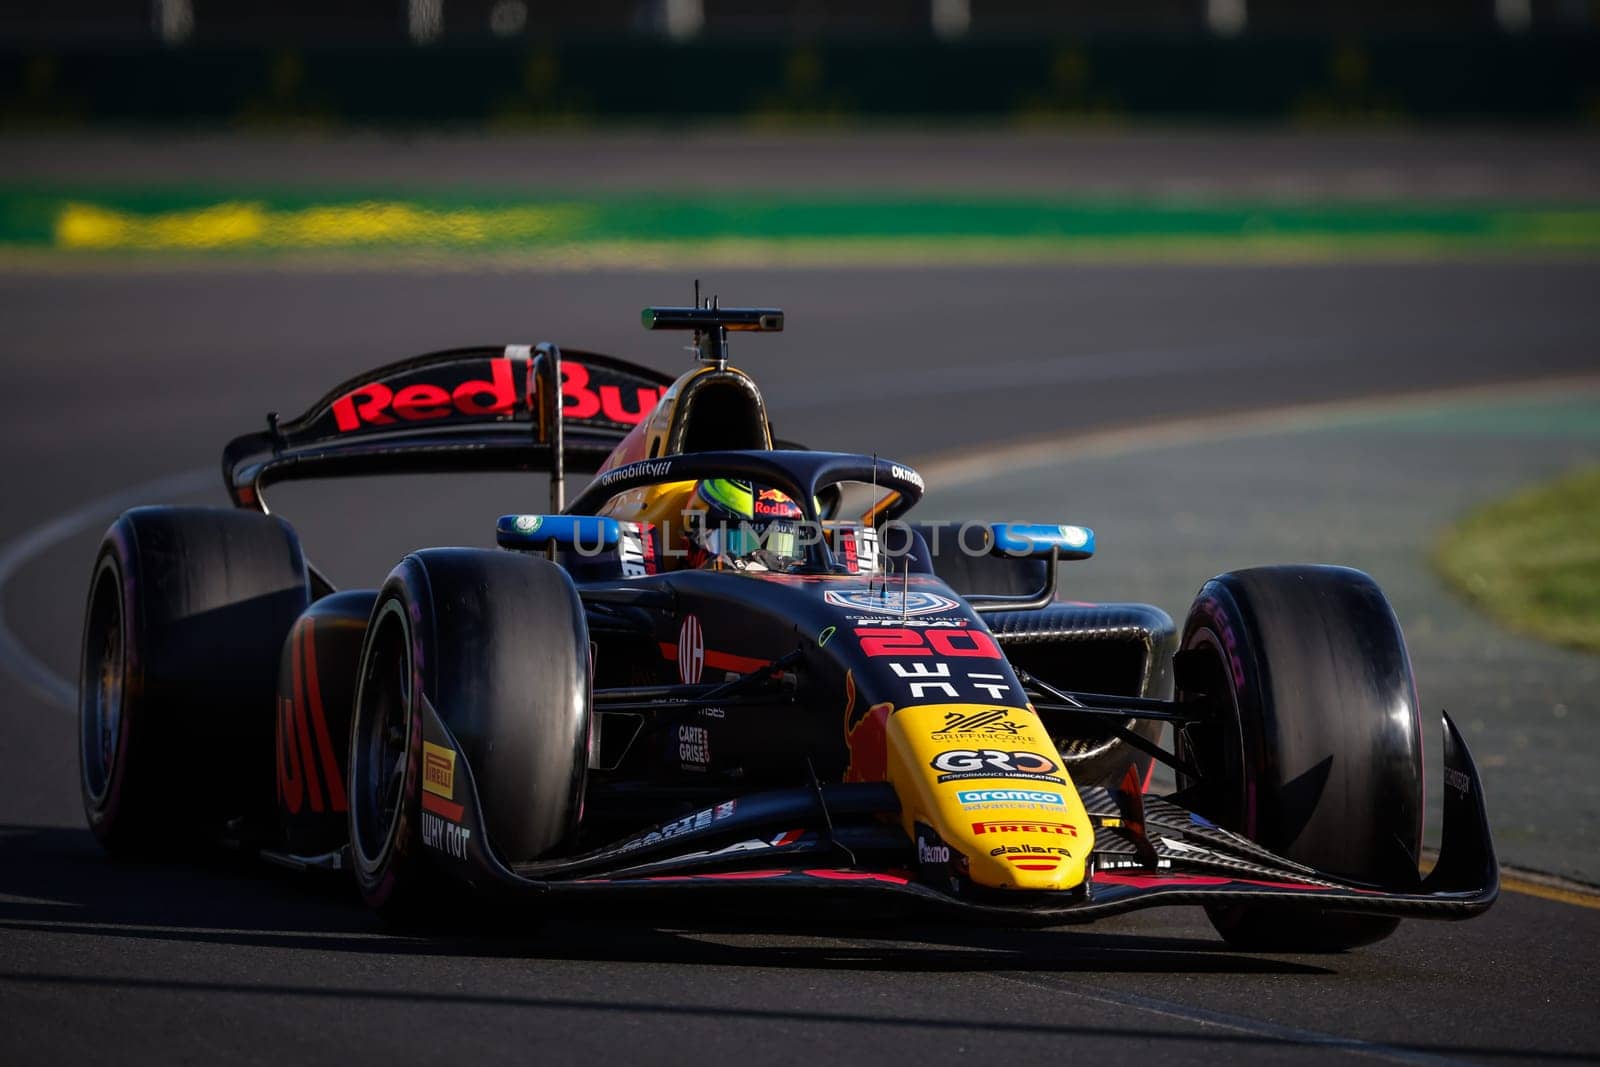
[(846, 838)]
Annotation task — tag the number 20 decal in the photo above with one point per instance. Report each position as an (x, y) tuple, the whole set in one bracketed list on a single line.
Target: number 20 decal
[(896, 641)]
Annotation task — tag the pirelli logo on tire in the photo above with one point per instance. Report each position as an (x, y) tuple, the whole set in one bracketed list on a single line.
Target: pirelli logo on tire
[(439, 770)]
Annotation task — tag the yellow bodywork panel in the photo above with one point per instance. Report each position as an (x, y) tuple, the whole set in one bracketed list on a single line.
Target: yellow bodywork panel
[(996, 792)]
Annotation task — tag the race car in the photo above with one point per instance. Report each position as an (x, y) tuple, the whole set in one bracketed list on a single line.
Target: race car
[(732, 664)]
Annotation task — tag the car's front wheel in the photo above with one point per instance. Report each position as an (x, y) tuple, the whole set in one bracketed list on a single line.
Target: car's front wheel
[(1314, 745), (497, 645)]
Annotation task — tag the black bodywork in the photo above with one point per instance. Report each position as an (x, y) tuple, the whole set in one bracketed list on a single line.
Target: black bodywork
[(743, 774)]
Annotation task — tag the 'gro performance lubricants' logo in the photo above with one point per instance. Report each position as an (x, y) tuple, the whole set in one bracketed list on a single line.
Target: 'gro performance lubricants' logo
[(963, 763)]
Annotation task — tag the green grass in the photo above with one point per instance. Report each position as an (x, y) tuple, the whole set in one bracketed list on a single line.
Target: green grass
[(136, 219), (1532, 561)]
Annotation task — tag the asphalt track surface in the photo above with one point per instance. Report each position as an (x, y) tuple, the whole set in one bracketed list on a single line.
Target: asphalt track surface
[(1508, 165), (113, 380), (1369, 484)]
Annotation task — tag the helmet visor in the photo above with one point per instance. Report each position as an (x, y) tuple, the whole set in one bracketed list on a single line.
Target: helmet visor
[(742, 540)]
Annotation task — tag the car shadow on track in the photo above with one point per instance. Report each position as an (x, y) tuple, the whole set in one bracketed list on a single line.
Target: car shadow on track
[(58, 880)]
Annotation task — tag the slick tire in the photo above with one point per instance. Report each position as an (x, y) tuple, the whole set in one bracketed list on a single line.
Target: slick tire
[(1314, 749), (498, 645), (187, 611)]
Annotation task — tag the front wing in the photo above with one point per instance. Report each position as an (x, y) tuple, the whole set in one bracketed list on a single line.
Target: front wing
[(847, 839)]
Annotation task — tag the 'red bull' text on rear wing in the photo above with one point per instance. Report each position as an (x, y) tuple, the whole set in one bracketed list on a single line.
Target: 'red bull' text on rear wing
[(466, 409)]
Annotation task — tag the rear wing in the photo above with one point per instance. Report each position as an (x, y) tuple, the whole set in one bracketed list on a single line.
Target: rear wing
[(466, 409)]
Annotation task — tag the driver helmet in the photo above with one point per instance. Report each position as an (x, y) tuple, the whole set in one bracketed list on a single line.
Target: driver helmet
[(749, 527)]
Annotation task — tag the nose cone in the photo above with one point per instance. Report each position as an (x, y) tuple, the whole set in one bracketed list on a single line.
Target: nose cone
[(1034, 852), (989, 783)]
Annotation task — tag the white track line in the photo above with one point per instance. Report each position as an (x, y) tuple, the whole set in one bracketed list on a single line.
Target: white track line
[(15, 554), (966, 466)]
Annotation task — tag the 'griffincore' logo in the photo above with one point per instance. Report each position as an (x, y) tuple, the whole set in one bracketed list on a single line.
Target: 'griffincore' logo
[(890, 601)]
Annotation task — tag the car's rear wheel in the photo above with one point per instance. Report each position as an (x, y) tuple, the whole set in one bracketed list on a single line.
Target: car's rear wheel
[(497, 645), (1314, 745), (187, 611)]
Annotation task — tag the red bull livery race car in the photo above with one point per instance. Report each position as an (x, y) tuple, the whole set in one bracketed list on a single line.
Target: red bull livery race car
[(735, 665)]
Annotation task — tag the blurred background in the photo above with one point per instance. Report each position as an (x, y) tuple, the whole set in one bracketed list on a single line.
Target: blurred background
[(524, 61)]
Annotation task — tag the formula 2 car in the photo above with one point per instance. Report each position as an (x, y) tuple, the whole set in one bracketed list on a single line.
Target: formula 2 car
[(823, 696)]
